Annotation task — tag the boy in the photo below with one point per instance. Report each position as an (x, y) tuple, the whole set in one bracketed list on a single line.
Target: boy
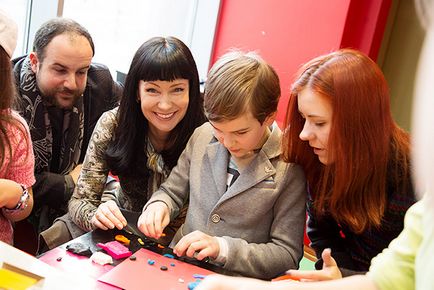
[(246, 206)]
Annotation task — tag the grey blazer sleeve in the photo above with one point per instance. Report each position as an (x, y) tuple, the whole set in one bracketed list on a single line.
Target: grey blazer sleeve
[(284, 250)]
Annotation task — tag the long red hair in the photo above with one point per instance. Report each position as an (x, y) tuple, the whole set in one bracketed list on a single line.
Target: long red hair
[(366, 145)]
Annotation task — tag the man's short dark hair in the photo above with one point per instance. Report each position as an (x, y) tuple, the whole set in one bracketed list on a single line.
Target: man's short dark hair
[(55, 27)]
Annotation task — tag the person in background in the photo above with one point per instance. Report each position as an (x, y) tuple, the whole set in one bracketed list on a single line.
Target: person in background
[(142, 139), (61, 95), (407, 262), (246, 206), (16, 153)]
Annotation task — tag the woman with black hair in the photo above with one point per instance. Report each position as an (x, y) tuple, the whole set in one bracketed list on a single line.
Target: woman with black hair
[(141, 140)]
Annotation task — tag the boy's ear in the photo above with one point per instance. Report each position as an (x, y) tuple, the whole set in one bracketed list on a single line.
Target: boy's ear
[(270, 119)]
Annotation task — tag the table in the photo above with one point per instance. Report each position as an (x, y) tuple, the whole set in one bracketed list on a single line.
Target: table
[(79, 266)]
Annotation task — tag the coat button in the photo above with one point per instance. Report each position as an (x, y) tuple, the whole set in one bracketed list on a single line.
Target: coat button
[(215, 218)]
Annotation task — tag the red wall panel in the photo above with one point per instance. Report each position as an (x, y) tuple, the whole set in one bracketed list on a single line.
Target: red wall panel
[(287, 33)]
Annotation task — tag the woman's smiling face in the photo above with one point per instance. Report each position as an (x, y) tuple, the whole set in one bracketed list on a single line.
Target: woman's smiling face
[(164, 104)]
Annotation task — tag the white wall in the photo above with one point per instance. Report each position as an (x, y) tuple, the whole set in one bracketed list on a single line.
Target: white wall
[(119, 27)]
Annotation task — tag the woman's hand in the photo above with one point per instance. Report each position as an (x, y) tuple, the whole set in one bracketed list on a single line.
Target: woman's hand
[(330, 270), (154, 219), (197, 245), (108, 216)]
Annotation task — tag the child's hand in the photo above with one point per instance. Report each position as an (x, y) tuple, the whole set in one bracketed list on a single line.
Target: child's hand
[(154, 219), (197, 245), (329, 271), (10, 193), (108, 216)]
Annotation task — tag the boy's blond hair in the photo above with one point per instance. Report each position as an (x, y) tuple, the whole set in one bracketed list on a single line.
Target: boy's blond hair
[(239, 82)]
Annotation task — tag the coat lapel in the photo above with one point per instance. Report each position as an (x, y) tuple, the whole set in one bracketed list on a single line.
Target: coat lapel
[(259, 170), (218, 158), (261, 167)]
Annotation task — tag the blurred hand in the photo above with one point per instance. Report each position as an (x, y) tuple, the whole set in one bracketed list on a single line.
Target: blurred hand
[(329, 271), (108, 216), (154, 219), (220, 282), (10, 193), (75, 173), (197, 245)]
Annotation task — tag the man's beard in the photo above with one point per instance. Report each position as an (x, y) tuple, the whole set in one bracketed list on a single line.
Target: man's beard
[(50, 97)]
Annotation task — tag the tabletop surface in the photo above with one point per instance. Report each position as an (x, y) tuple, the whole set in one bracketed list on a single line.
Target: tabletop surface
[(75, 265)]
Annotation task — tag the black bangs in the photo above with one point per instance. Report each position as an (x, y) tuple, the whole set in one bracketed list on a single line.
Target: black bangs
[(166, 61)]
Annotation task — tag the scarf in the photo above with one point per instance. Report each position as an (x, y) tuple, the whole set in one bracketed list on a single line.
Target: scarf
[(159, 172), (34, 111)]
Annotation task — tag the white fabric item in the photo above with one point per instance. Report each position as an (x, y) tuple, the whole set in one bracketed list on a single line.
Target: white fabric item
[(101, 258), (8, 33)]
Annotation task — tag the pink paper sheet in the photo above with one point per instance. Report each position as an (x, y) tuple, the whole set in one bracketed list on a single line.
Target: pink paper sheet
[(139, 274)]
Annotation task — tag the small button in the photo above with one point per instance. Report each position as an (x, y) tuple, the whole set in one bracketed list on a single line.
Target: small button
[(268, 169), (215, 218)]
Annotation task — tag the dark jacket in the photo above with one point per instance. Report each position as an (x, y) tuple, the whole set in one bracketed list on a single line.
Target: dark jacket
[(353, 252), (101, 94)]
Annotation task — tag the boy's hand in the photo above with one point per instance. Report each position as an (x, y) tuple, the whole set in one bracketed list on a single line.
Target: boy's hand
[(108, 216), (154, 219), (197, 245), (329, 271)]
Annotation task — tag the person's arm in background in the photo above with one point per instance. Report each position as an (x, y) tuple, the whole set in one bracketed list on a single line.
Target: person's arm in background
[(55, 189), (394, 268), (16, 203), (219, 282), (87, 197)]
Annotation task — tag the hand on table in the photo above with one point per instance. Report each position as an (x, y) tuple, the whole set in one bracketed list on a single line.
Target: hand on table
[(329, 271), (154, 219), (108, 216), (198, 245)]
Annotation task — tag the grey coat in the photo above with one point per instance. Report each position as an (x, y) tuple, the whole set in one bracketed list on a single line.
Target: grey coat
[(261, 216)]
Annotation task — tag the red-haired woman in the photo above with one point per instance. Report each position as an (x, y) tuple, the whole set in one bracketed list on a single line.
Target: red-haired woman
[(356, 160)]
